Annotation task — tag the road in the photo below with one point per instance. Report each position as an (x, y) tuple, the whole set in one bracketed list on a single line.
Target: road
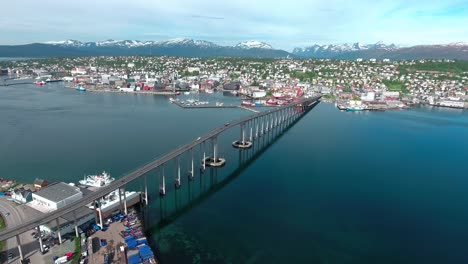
[(14, 215)]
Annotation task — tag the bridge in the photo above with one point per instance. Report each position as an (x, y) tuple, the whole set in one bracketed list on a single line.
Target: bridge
[(252, 127)]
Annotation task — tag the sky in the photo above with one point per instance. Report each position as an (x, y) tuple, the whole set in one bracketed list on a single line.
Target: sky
[(282, 24)]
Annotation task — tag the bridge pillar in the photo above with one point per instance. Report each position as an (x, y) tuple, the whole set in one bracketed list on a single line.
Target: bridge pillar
[(76, 224), (162, 184), (58, 231), (204, 157), (215, 161), (191, 173), (177, 180), (262, 131), (146, 190), (256, 128), (18, 242), (41, 247), (101, 224), (242, 144), (120, 200), (271, 121), (125, 200)]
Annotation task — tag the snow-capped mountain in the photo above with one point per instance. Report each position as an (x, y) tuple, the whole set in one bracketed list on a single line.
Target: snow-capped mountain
[(253, 44), (330, 51), (171, 47), (253, 49), (379, 50), (165, 43)]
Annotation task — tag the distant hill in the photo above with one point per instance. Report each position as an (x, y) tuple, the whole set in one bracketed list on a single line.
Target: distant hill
[(251, 49), (175, 47), (381, 51)]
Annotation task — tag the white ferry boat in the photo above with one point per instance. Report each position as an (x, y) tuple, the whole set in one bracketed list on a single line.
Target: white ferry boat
[(99, 180)]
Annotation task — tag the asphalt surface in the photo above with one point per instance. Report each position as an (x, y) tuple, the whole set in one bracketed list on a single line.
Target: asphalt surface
[(14, 215)]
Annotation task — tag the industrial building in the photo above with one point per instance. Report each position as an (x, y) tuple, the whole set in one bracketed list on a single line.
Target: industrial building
[(56, 195)]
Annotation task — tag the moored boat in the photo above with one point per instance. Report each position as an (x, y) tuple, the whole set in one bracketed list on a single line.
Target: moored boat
[(99, 180), (80, 89), (354, 109)]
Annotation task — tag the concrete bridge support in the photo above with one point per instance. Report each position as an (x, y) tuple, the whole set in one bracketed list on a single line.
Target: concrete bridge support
[(162, 182), (20, 250), (146, 190), (75, 222), (215, 161), (177, 179), (58, 230), (242, 143), (124, 200), (41, 247)]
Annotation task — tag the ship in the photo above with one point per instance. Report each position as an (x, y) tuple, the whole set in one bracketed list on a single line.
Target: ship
[(80, 88), (53, 80), (99, 180), (39, 83), (354, 109)]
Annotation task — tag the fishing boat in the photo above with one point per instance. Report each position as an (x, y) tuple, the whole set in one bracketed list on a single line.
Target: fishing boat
[(246, 103), (80, 89), (354, 109)]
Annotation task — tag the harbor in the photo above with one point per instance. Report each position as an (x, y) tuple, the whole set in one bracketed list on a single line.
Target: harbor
[(122, 240), (103, 228)]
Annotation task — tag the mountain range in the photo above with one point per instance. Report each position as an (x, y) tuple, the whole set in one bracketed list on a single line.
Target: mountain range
[(254, 49)]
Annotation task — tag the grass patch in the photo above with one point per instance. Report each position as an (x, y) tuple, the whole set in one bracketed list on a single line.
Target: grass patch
[(77, 253), (2, 226), (453, 67), (395, 86)]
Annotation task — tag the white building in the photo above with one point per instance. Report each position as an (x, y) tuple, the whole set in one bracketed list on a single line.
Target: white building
[(21, 195), (391, 94), (369, 96), (125, 89), (56, 195), (455, 104), (258, 94)]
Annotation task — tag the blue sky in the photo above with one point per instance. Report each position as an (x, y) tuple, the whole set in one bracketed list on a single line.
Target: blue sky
[(283, 24)]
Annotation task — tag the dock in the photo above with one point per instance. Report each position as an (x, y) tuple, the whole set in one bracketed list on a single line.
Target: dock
[(11, 84), (164, 93), (212, 106)]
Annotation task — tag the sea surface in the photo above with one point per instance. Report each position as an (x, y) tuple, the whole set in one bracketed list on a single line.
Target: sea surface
[(337, 187)]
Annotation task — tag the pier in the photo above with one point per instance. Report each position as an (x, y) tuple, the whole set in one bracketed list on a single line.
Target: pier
[(179, 104)]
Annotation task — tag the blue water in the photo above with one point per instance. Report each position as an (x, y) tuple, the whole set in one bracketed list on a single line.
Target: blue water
[(371, 187)]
